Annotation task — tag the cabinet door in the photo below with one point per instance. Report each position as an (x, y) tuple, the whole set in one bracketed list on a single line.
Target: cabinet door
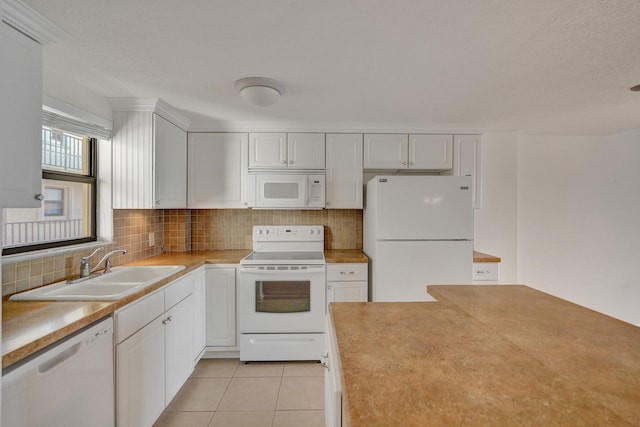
[(140, 376), (346, 292), (199, 314), (221, 307), (467, 163), (432, 152), (305, 150), (385, 151), (268, 150), (179, 328), (170, 167), (332, 385), (344, 171), (21, 120), (217, 170)]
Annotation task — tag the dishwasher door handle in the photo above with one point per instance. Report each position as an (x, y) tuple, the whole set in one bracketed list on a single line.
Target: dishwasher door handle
[(59, 358)]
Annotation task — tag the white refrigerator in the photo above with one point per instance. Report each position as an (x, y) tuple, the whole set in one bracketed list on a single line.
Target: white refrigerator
[(417, 231)]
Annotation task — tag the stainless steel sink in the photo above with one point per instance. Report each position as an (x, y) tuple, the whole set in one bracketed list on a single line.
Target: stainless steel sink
[(122, 281)]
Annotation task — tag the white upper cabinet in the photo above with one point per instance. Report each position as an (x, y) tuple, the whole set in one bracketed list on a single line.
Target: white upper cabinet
[(344, 171), (149, 156), (401, 151), (268, 150), (432, 152), (305, 150), (282, 150), (21, 115), (170, 169), (217, 170), (466, 162), (21, 104), (385, 151)]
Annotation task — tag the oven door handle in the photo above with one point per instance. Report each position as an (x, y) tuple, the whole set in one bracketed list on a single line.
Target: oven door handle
[(258, 270)]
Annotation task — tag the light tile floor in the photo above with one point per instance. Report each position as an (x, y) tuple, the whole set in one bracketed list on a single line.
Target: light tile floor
[(229, 393)]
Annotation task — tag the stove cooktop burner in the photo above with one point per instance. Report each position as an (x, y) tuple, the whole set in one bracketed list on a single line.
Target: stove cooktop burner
[(284, 257)]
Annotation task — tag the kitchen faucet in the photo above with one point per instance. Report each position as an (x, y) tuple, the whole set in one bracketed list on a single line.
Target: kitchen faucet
[(84, 264), (107, 260)]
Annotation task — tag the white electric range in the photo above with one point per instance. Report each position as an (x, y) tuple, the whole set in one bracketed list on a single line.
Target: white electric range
[(282, 294)]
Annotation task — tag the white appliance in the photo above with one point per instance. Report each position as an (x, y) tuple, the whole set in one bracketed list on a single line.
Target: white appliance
[(282, 294), (290, 190), (417, 230), (70, 384)]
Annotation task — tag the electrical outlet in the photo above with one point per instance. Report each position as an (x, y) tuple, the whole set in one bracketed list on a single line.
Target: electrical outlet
[(152, 240)]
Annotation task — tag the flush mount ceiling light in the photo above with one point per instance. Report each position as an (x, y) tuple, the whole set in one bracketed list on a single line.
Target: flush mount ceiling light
[(259, 91)]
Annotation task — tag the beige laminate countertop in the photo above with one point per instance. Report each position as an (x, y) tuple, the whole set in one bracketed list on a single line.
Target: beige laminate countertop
[(345, 256), (486, 356), (29, 326), (482, 257)]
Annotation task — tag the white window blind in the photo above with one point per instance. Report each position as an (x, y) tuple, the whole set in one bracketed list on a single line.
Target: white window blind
[(68, 124)]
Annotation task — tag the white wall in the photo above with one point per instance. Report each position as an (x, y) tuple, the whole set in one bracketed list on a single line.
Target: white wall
[(579, 219), (496, 222)]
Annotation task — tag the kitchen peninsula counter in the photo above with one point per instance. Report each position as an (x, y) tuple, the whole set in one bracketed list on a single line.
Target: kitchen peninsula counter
[(486, 355)]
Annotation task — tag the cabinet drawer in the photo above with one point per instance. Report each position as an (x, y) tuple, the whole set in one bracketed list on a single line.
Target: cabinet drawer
[(346, 272), (485, 271), (178, 290), (135, 316)]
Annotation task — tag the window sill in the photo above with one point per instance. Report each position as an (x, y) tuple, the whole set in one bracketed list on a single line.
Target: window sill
[(27, 256)]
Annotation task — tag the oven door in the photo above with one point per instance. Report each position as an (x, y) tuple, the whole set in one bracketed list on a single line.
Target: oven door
[(282, 298)]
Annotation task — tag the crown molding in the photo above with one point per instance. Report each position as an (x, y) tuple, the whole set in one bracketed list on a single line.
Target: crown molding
[(204, 125), (29, 22), (154, 105)]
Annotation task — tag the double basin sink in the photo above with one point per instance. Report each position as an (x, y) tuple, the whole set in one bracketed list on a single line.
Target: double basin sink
[(119, 283)]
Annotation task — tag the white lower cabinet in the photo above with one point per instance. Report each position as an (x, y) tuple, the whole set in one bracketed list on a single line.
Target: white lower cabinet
[(140, 378), (332, 385), (179, 362), (347, 283), (199, 313), (154, 352), (221, 330)]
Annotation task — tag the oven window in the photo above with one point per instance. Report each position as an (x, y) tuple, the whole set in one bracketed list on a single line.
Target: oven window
[(281, 190), (273, 296)]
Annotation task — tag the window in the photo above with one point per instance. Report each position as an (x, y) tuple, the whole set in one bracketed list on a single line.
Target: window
[(67, 215), (54, 201)]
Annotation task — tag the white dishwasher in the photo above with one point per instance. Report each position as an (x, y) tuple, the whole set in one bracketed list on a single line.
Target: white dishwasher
[(69, 384)]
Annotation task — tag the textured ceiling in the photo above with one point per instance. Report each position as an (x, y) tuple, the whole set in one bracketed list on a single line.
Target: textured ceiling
[(556, 66)]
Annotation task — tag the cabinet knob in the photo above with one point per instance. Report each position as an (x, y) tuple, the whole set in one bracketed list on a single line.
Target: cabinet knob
[(328, 203), (290, 162), (244, 203), (39, 197), (157, 202), (412, 163), (404, 163), (329, 287), (284, 162)]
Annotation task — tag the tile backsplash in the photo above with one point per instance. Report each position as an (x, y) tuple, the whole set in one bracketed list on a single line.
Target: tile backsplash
[(180, 230), (213, 229), (49, 268)]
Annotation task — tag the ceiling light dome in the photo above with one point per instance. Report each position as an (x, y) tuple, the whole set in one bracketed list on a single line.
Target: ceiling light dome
[(259, 91)]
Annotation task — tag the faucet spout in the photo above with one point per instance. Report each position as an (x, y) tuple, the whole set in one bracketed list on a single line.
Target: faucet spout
[(107, 260)]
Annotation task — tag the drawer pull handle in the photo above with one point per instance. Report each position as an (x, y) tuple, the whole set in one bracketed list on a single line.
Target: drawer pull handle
[(347, 272)]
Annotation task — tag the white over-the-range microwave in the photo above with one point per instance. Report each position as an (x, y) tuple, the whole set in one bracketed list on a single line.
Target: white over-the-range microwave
[(286, 190)]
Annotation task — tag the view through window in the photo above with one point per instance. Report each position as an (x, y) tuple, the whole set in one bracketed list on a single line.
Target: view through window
[(67, 214)]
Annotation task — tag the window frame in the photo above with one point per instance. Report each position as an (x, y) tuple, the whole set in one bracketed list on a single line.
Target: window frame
[(91, 180)]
